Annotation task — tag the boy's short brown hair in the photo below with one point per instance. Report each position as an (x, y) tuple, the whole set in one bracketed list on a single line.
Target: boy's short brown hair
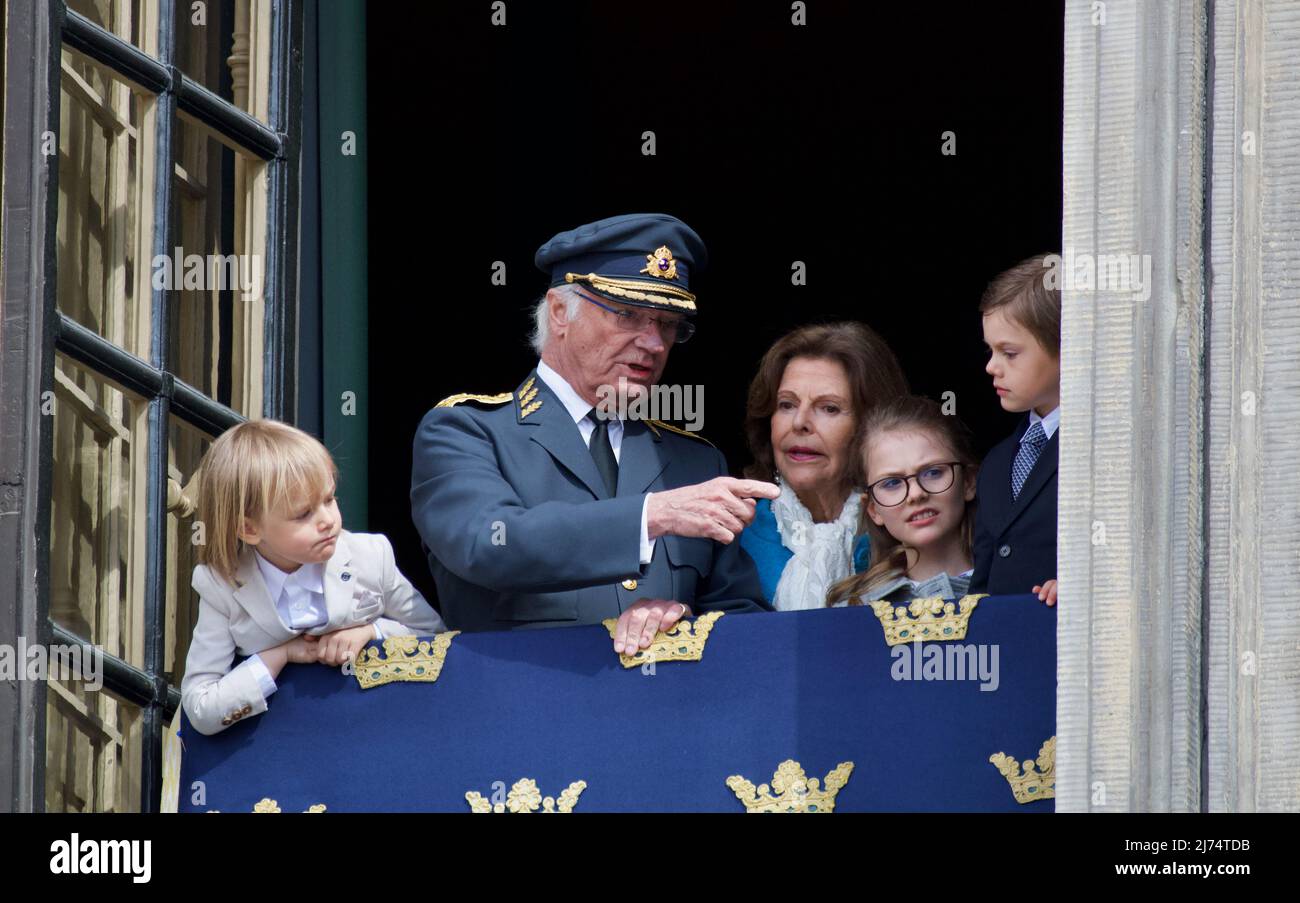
[(1023, 291)]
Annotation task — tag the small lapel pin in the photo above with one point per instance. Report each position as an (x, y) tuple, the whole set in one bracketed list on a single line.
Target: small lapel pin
[(346, 576)]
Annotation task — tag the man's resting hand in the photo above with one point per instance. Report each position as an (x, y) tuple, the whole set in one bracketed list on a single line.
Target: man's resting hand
[(639, 623)]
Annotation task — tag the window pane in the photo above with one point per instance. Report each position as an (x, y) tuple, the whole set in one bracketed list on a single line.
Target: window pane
[(123, 19), (97, 520), (105, 220), (93, 742), (186, 448), (224, 45), (217, 310)]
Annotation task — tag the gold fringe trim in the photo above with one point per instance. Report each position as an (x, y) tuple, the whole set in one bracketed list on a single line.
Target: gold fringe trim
[(637, 290), (453, 400), (678, 430)]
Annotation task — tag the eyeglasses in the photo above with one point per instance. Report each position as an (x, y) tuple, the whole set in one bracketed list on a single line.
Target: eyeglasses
[(676, 330), (935, 478)]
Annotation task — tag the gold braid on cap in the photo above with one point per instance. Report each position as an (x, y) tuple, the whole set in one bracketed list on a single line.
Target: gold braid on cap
[(634, 289)]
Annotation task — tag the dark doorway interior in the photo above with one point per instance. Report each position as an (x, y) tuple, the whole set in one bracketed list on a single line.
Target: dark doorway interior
[(820, 143)]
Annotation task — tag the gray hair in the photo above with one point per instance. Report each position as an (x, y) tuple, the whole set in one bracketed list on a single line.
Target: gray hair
[(542, 315)]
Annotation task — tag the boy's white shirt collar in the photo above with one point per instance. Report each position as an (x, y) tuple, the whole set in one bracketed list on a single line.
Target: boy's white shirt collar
[(310, 577), (252, 591), (1050, 422)]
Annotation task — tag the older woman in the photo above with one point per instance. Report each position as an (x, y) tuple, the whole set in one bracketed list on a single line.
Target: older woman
[(810, 393)]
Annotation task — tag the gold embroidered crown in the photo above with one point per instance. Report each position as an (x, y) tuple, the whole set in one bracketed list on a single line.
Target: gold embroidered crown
[(266, 804), (680, 643), (1038, 779), (795, 792), (406, 658), (925, 619), (525, 797)]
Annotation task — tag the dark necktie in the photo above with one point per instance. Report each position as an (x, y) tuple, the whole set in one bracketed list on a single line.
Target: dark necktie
[(602, 452), (1030, 446)]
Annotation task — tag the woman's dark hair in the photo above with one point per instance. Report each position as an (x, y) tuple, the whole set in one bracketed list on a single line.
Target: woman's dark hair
[(873, 373)]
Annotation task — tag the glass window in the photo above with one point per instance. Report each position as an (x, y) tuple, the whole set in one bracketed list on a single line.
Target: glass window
[(216, 315), (93, 744), (185, 450), (124, 19), (104, 220), (97, 519), (223, 45), (217, 219)]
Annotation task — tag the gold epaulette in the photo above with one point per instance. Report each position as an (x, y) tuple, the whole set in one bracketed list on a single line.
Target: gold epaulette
[(452, 400), (678, 430)]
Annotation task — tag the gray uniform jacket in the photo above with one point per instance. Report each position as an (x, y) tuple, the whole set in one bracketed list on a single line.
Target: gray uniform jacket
[(520, 530)]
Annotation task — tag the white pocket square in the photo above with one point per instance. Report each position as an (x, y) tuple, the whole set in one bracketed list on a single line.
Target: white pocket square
[(366, 602)]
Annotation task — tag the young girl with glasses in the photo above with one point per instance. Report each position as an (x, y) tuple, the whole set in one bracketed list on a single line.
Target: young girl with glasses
[(920, 476)]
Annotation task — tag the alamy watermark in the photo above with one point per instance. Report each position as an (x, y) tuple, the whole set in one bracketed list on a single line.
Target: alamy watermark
[(1083, 272), (947, 661), (58, 661), (633, 401), (75, 856), (208, 272)]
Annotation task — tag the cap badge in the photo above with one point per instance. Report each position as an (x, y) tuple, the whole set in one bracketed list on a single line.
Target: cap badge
[(661, 264)]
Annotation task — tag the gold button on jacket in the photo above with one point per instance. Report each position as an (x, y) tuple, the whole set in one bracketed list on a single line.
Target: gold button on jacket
[(629, 584)]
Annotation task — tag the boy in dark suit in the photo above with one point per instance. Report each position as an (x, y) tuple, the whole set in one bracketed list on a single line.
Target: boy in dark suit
[(1015, 521)]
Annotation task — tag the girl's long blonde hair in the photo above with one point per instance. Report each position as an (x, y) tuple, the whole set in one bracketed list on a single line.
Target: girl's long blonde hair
[(253, 469), (910, 414)]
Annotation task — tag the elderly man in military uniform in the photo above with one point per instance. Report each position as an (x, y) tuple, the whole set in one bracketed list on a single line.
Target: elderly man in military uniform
[(536, 509)]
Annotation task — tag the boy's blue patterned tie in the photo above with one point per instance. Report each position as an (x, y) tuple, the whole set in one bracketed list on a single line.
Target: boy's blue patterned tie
[(1030, 446)]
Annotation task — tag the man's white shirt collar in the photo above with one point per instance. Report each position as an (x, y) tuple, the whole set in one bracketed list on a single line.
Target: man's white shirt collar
[(572, 401), (579, 409), (1050, 422)]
